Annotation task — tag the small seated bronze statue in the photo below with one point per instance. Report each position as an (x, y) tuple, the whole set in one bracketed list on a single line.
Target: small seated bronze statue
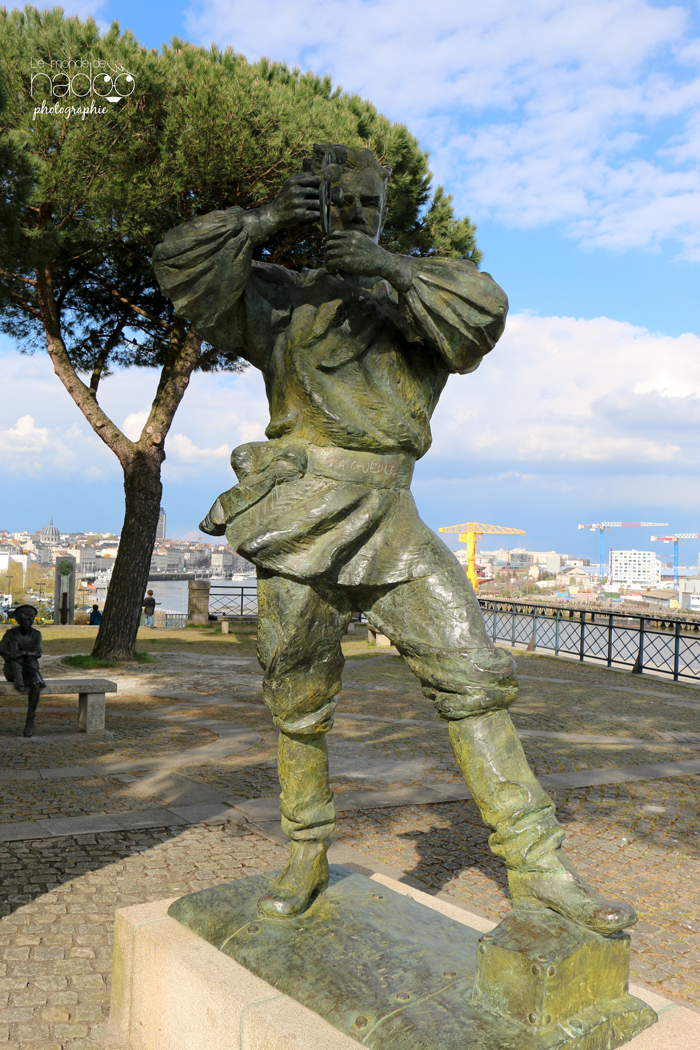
[(20, 648)]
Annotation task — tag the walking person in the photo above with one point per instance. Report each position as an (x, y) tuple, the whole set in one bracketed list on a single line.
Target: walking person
[(149, 609)]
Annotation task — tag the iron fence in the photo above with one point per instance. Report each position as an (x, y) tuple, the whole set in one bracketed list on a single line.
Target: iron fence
[(175, 619), (616, 640), (226, 599), (613, 639)]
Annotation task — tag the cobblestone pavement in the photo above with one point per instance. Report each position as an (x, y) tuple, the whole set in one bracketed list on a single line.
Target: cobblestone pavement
[(59, 904), (637, 840)]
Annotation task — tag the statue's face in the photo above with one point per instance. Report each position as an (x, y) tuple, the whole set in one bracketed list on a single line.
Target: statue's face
[(362, 203), (26, 621)]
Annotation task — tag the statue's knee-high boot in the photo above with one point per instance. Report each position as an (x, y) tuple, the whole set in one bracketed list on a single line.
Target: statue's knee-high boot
[(32, 704), (526, 833), (308, 818)]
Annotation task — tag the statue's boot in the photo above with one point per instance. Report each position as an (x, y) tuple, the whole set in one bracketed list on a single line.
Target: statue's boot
[(32, 704), (305, 875), (308, 818), (526, 834)]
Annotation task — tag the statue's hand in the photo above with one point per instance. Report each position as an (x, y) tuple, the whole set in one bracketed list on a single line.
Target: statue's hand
[(297, 201), (350, 251)]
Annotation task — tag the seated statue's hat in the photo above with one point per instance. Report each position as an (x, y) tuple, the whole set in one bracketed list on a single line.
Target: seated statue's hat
[(24, 609)]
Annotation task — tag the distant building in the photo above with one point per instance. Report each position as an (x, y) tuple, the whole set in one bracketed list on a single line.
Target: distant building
[(166, 560), (49, 535), (228, 562), (160, 531), (634, 568)]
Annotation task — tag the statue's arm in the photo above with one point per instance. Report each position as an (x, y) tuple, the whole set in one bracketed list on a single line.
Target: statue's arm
[(8, 644), (204, 266), (460, 311), (447, 303)]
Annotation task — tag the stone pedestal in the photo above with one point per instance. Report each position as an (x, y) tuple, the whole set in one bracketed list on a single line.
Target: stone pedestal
[(173, 991), (198, 601), (366, 966)]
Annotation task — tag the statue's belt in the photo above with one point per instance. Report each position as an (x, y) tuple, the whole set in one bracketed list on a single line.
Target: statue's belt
[(362, 468), (368, 469)]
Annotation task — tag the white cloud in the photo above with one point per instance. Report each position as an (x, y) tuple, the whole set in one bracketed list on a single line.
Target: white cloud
[(550, 111), (577, 394), (182, 449), (134, 424), (26, 448), (42, 432)]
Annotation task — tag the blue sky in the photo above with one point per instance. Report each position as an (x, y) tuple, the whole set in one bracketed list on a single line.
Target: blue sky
[(569, 130)]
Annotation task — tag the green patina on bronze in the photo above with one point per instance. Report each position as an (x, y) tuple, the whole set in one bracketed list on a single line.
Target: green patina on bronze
[(355, 355), (396, 975)]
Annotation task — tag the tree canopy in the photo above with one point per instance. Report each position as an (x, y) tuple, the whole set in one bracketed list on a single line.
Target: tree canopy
[(202, 129), (105, 145)]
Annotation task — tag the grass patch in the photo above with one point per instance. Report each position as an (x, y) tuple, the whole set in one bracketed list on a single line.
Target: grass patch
[(87, 662), (142, 657)]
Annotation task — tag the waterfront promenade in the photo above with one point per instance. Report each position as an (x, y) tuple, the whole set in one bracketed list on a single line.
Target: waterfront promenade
[(180, 795)]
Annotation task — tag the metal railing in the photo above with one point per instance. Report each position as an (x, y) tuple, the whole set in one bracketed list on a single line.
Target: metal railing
[(614, 639), (226, 599), (175, 619), (641, 643)]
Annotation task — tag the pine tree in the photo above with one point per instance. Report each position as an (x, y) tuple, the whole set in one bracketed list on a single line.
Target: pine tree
[(84, 199)]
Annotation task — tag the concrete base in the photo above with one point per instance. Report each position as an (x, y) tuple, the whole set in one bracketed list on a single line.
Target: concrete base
[(171, 990), (91, 712)]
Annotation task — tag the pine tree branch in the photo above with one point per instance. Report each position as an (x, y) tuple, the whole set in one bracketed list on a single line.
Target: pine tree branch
[(24, 305), (103, 355), (82, 395), (183, 357), (17, 277), (132, 306)]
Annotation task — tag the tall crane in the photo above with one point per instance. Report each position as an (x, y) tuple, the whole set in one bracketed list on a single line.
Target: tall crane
[(603, 526), (469, 534), (674, 540)]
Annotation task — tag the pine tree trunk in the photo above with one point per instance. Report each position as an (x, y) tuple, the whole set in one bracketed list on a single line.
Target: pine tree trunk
[(116, 637)]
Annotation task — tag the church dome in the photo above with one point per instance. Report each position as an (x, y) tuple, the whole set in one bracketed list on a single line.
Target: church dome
[(50, 534)]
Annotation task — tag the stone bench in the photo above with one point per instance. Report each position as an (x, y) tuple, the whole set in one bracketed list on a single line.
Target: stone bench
[(91, 698)]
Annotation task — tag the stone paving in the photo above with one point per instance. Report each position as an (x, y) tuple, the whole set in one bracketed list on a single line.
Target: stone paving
[(638, 840)]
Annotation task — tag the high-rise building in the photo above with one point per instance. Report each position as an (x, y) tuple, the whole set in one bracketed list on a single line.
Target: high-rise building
[(160, 531), (634, 569)]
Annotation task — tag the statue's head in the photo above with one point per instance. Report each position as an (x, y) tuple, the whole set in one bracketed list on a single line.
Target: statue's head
[(25, 616), (354, 187)]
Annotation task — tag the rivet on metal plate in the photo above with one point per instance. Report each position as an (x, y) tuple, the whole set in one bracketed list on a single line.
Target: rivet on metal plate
[(253, 928), (550, 971), (449, 973), (360, 1022), (532, 1018), (536, 970), (403, 996)]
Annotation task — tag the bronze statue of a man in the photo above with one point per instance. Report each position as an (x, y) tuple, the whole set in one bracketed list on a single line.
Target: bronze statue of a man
[(355, 355), (20, 648)]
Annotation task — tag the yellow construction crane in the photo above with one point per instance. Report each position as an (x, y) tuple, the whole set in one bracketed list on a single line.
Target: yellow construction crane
[(469, 534)]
